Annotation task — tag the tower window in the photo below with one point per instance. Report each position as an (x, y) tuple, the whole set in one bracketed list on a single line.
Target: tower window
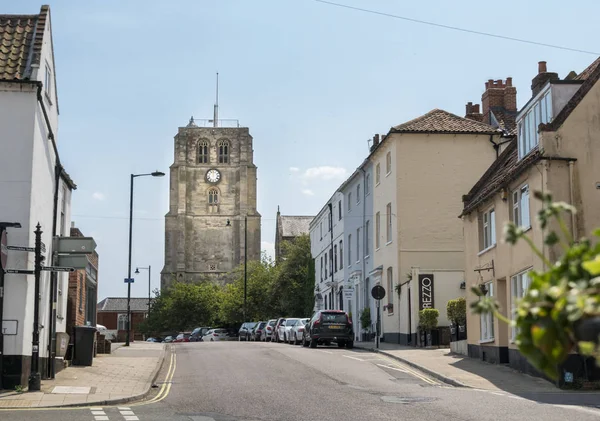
[(203, 152), (223, 152), (213, 197)]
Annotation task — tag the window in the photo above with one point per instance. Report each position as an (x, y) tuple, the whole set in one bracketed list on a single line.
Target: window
[(487, 320), (349, 201), (388, 163), (122, 322), (63, 210), (223, 152), (321, 268), (390, 285), (540, 112), (213, 196), (377, 230), (331, 261), (81, 286), (488, 229), (357, 245), (340, 210), (367, 238), (518, 285), (326, 266), (377, 174), (335, 259), (203, 152), (388, 210), (520, 203), (60, 308), (349, 249), (329, 221), (357, 194), (48, 81), (341, 255), (321, 229), (367, 184)]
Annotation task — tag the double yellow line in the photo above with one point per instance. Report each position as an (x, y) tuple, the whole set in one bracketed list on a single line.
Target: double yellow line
[(413, 372), (166, 386)]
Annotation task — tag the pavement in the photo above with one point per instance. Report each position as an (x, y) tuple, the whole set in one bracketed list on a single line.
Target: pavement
[(250, 381), (125, 375)]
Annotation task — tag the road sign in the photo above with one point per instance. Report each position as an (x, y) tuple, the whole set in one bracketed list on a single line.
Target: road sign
[(77, 261), (20, 248), (58, 269), (75, 245), (378, 292), (129, 280), (9, 327), (3, 250), (20, 271)]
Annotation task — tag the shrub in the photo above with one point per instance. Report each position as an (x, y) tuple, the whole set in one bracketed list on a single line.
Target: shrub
[(428, 318), (456, 310), (365, 318)]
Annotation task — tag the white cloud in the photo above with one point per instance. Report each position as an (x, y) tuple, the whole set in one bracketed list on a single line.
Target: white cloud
[(269, 248), (308, 192), (98, 196), (294, 169), (325, 173)]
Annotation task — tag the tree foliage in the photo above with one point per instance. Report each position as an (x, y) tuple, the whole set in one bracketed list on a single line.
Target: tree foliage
[(456, 310)]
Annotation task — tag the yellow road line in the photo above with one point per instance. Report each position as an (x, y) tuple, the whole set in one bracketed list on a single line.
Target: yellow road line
[(413, 372)]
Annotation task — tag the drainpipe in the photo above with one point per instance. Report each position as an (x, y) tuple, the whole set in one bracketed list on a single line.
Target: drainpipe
[(58, 169), (365, 241), (573, 217)]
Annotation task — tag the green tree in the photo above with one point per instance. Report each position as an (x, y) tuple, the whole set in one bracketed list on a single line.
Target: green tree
[(295, 281)]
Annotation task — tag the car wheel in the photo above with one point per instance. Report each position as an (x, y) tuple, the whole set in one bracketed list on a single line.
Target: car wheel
[(350, 344), (304, 343), (296, 342), (212, 340), (341, 344), (328, 343), (313, 343)]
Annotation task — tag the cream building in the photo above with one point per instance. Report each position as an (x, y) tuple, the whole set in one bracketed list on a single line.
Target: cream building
[(420, 170), (557, 150)]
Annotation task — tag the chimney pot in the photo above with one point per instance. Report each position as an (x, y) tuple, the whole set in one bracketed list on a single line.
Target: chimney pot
[(509, 81), (542, 67), (476, 109)]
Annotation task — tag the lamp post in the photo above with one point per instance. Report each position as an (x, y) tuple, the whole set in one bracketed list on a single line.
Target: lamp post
[(245, 260), (3, 260), (149, 269), (133, 176)]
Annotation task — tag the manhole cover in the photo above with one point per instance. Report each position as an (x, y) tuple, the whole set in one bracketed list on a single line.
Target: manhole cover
[(407, 399)]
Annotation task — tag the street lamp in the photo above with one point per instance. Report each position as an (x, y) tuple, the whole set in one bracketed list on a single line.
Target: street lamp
[(149, 269), (153, 174), (245, 259)]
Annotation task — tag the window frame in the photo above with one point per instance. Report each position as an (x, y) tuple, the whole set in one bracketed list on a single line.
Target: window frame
[(339, 210), (521, 206), (388, 163), (377, 230), (487, 319), (358, 193), (326, 264), (488, 229), (213, 193), (122, 318), (223, 151), (519, 284), (341, 254), (358, 245), (377, 174), (349, 250), (367, 184), (366, 237), (335, 258), (203, 152), (389, 237), (390, 285), (349, 201)]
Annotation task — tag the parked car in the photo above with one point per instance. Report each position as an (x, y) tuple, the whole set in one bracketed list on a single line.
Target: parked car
[(157, 340), (214, 335), (245, 330), (198, 333), (276, 336), (257, 331), (267, 333), (328, 326), (169, 339), (183, 337), (285, 328), (295, 335)]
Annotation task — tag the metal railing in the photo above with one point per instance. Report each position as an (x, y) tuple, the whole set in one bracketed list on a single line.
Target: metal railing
[(205, 122)]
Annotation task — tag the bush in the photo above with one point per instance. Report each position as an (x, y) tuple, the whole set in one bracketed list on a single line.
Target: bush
[(456, 310), (365, 318), (428, 318)]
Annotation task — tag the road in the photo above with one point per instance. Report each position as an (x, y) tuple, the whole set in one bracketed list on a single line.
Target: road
[(248, 381)]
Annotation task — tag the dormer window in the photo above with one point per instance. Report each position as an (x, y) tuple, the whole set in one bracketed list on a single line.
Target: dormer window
[(540, 112)]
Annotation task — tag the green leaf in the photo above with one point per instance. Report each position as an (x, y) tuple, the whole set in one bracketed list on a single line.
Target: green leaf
[(592, 266), (552, 239), (586, 348)]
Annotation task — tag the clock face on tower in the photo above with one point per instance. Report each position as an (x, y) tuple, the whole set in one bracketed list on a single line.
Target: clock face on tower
[(213, 176)]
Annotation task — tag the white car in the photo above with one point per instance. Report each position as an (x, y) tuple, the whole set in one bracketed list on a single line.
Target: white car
[(215, 335), (285, 328), (295, 334)]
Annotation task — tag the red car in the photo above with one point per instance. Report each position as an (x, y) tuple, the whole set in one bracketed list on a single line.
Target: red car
[(183, 337)]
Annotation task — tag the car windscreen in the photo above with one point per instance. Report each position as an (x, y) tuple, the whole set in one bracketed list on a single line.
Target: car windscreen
[(220, 330), (272, 322), (262, 325), (291, 322), (250, 325), (333, 317)]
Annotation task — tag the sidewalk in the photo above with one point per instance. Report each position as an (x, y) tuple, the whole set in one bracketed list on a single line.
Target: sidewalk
[(124, 375)]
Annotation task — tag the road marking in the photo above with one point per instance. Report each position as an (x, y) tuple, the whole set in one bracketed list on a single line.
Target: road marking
[(166, 386), (392, 368), (413, 372), (498, 393), (101, 418), (98, 413), (131, 418), (327, 352), (127, 413), (580, 408), (354, 358), (124, 408)]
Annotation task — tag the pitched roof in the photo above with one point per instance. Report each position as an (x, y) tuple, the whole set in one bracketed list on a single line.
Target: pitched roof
[(294, 226), (505, 169), (507, 120), (120, 304), (440, 121), (21, 40), (592, 74)]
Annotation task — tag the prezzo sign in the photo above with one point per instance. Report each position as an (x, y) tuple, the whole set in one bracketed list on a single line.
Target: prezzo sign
[(426, 292)]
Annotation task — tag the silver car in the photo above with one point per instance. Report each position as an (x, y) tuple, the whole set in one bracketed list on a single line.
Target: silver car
[(295, 335)]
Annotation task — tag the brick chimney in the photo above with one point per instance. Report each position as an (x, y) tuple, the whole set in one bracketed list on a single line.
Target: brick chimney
[(472, 112), (375, 142), (498, 94), (543, 76)]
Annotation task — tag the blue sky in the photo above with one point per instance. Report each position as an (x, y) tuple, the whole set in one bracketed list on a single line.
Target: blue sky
[(312, 81)]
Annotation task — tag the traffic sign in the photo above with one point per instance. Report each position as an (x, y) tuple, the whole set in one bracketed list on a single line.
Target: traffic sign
[(77, 261), (58, 269), (74, 245), (378, 292), (20, 271), (129, 280), (3, 250), (20, 248)]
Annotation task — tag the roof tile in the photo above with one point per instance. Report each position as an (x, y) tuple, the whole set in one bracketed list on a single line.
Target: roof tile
[(440, 121), (294, 226), (16, 35), (120, 304)]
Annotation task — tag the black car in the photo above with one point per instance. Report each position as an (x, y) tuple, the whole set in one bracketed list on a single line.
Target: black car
[(198, 333), (245, 331), (328, 326)]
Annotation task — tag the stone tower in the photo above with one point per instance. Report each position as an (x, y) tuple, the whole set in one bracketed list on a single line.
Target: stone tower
[(212, 190)]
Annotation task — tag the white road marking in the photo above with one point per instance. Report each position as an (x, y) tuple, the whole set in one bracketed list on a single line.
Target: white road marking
[(101, 418), (131, 418), (392, 368), (127, 413), (498, 393), (516, 397), (124, 408), (354, 358), (327, 352), (98, 413), (95, 408)]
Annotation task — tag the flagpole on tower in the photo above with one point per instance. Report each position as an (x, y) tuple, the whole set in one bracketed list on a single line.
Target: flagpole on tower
[(216, 116)]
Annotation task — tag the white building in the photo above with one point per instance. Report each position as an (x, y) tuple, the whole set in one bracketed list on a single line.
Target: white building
[(327, 248), (33, 188)]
